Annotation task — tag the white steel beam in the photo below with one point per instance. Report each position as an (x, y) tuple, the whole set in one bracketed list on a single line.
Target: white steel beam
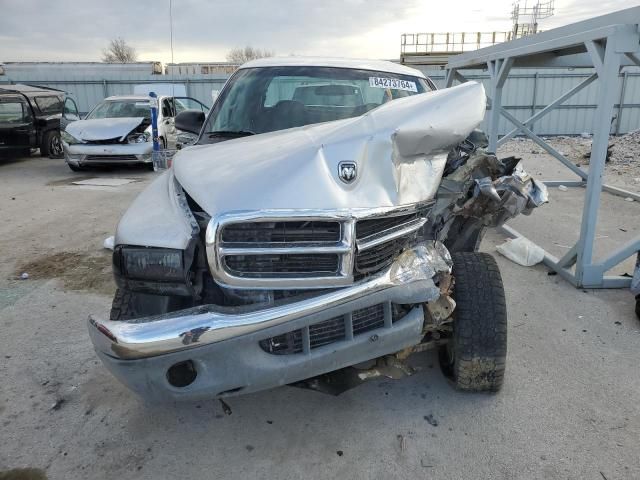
[(608, 43), (527, 131), (585, 274)]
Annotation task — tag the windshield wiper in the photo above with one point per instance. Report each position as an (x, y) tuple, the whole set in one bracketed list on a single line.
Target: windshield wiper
[(230, 133)]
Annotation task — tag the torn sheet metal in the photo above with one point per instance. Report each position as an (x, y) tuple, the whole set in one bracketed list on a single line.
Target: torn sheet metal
[(399, 151), (491, 190), (430, 261), (103, 128)]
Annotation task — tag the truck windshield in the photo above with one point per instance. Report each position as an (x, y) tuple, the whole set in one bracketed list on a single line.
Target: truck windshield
[(259, 100), (121, 109)]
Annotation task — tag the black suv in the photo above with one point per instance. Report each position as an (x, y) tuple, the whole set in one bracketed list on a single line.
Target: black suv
[(32, 117)]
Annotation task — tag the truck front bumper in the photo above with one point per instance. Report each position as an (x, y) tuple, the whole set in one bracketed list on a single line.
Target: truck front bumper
[(218, 349)]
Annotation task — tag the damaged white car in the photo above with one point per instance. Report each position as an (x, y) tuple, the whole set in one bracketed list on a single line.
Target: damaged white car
[(324, 227), (118, 131)]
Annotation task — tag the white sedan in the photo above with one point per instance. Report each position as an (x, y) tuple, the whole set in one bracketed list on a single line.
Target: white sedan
[(118, 131)]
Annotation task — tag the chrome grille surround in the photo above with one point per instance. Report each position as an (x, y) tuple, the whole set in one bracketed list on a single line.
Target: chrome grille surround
[(347, 246)]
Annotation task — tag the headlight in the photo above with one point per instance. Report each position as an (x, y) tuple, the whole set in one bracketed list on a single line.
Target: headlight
[(150, 264), (69, 139), (138, 137)]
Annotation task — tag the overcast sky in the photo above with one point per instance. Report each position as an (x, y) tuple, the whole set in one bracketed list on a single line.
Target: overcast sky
[(204, 30)]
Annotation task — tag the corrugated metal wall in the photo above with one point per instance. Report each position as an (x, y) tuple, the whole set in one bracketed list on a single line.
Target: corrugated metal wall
[(88, 90), (526, 91)]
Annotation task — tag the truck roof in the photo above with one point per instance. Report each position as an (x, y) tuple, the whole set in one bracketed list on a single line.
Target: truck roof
[(363, 64), (29, 89)]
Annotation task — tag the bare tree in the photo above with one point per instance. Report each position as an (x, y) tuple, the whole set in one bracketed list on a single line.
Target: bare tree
[(241, 55), (119, 52)]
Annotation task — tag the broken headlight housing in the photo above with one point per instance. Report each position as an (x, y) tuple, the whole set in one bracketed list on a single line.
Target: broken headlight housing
[(163, 271), (138, 137), (69, 139)]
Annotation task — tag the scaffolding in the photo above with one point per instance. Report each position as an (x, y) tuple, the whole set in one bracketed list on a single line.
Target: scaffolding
[(532, 14), (607, 44), (450, 43)]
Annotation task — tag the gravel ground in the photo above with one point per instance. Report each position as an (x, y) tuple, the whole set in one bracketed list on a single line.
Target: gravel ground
[(623, 167), (569, 408)]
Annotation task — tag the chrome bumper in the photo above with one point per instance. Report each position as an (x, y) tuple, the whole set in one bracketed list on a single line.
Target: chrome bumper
[(224, 345)]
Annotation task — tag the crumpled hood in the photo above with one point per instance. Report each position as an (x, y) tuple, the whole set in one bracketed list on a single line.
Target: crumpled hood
[(399, 149), (103, 128)]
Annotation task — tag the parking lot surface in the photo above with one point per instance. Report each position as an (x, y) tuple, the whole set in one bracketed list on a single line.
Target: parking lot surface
[(569, 408)]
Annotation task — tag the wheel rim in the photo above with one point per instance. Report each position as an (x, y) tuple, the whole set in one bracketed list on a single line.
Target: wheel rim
[(55, 145)]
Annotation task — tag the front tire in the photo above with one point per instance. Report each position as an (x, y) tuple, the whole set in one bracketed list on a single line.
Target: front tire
[(51, 145), (475, 357), (128, 305)]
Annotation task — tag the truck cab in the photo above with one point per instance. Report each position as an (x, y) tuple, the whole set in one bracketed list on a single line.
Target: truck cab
[(31, 117)]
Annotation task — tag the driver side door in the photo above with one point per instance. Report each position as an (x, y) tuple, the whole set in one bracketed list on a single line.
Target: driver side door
[(69, 113), (17, 127), (175, 105)]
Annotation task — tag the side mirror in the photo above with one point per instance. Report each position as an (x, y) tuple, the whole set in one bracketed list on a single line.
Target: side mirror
[(190, 121)]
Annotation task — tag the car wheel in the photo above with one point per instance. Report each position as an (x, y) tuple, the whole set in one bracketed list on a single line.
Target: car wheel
[(75, 168), (475, 357), (127, 304), (51, 145)]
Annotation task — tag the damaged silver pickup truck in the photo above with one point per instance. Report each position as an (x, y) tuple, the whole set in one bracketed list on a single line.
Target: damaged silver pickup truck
[(324, 227)]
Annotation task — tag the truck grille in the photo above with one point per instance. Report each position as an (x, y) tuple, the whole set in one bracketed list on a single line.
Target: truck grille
[(298, 252), (372, 226), (281, 232), (379, 257), (335, 329), (265, 265)]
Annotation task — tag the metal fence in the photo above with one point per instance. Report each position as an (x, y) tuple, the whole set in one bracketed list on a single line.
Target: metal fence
[(526, 91)]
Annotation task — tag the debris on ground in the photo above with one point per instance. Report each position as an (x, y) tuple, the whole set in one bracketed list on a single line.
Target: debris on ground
[(431, 420), (403, 442), (225, 407), (57, 405), (562, 188), (24, 276), (521, 251), (104, 182), (623, 154), (109, 242)]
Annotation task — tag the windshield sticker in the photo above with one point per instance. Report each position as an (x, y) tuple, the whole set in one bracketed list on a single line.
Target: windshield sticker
[(396, 84)]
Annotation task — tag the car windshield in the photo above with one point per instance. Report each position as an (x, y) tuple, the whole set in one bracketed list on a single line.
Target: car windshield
[(259, 100), (121, 109)]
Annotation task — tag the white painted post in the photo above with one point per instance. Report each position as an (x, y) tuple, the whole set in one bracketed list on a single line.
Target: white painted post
[(496, 104)]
